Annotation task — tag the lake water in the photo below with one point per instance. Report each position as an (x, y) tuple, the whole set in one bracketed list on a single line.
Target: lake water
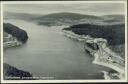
[(48, 53)]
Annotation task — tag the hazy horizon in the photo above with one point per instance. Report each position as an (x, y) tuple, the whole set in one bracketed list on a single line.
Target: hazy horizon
[(73, 7)]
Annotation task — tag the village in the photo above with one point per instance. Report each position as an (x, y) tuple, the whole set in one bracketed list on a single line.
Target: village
[(10, 41)]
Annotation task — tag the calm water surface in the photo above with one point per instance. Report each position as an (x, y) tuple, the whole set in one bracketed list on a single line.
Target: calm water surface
[(48, 53)]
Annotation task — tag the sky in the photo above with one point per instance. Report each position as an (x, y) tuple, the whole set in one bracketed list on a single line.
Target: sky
[(73, 7)]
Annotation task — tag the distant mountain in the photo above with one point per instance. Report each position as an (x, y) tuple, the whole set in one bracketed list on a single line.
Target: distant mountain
[(22, 16), (66, 18), (114, 18), (66, 15)]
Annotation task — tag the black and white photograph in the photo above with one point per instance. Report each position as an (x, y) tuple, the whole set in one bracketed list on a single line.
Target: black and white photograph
[(64, 40)]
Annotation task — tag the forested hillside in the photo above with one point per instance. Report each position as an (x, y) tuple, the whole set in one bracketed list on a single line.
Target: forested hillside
[(20, 34), (115, 34)]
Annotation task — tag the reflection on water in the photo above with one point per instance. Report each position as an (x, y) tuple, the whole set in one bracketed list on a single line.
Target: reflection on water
[(49, 54)]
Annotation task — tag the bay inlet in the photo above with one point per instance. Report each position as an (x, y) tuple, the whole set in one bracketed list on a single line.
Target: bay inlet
[(48, 53)]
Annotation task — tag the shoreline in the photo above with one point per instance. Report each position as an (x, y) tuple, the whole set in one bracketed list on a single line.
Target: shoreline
[(12, 73), (10, 41), (121, 71), (82, 38)]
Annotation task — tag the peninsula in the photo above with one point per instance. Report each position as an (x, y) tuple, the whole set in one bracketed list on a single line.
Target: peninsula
[(12, 35), (98, 40)]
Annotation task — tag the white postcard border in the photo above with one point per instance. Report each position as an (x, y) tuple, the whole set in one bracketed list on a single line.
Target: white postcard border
[(60, 81)]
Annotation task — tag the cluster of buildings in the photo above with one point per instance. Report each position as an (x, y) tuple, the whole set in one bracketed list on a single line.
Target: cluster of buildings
[(9, 40)]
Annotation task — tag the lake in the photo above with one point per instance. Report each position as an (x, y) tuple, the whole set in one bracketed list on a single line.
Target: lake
[(48, 53)]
